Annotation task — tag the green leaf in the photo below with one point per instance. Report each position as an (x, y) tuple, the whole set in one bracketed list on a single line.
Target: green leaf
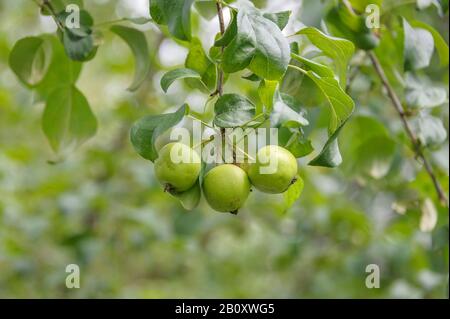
[(139, 20), (340, 50), (293, 193), (190, 198), (374, 156), (429, 130), (68, 119), (341, 104), (175, 14), (266, 91), (258, 45), (172, 76), (441, 45), (330, 156), (233, 110), (62, 70), (319, 69), (197, 60), (284, 113), (144, 132), (281, 19), (418, 47), (30, 59), (78, 42), (345, 24), (138, 44), (230, 32), (420, 93)]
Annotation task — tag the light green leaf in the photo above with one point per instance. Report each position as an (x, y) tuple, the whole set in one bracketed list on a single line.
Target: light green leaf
[(197, 60), (62, 70), (172, 76), (138, 44), (429, 130), (341, 104), (258, 45), (441, 45), (175, 14), (418, 47), (233, 110), (144, 132), (30, 59), (266, 91), (190, 198), (281, 19), (284, 114), (338, 49), (68, 119), (420, 93), (293, 193), (319, 69)]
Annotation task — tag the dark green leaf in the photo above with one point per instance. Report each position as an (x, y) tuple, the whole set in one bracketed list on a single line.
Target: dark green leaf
[(138, 43), (144, 132), (233, 110), (230, 32), (176, 14), (172, 76), (258, 45), (30, 59), (68, 119)]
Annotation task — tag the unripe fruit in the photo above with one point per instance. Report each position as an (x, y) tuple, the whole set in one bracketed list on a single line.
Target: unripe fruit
[(367, 41), (226, 188), (177, 167), (274, 171)]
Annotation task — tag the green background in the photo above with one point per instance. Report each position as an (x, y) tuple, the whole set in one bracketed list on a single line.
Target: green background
[(100, 207)]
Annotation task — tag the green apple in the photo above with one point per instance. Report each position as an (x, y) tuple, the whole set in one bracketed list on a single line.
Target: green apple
[(226, 188), (177, 167), (274, 171)]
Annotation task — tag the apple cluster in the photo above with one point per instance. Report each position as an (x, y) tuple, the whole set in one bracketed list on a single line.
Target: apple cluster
[(226, 187)]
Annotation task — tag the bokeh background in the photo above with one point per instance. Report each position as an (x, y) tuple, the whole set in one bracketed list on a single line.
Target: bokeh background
[(101, 208)]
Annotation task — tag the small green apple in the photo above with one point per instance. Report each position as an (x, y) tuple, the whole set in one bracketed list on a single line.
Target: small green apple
[(274, 171), (226, 188), (177, 167)]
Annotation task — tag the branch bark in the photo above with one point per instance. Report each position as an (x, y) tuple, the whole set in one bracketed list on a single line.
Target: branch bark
[(219, 89), (412, 136)]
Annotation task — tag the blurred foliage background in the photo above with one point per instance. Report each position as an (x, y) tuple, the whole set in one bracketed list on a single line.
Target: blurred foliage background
[(101, 208)]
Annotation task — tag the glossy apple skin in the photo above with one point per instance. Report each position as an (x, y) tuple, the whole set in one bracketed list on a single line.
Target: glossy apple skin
[(283, 175), (226, 188), (177, 176)]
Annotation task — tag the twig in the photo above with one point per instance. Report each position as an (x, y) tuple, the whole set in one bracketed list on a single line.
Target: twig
[(219, 89), (416, 143), (46, 3)]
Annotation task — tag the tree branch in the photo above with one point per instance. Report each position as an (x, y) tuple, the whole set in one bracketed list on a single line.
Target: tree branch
[(414, 140), (219, 89)]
